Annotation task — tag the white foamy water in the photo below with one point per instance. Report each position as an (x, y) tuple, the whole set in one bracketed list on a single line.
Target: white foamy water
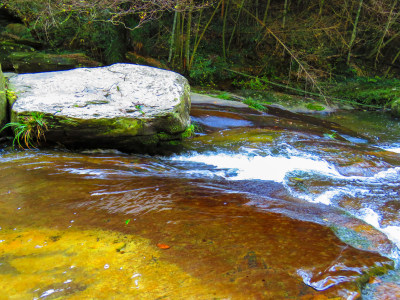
[(273, 168), (392, 232), (395, 147), (397, 150), (251, 166)]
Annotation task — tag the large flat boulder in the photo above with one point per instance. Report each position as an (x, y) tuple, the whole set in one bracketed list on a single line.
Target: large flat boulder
[(122, 106), (3, 100)]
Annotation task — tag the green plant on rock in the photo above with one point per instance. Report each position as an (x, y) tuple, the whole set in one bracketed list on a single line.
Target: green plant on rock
[(29, 130), (189, 132)]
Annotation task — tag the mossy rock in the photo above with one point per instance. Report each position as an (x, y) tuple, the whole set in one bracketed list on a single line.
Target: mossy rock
[(123, 106), (19, 30), (25, 62), (3, 100), (135, 58), (9, 47)]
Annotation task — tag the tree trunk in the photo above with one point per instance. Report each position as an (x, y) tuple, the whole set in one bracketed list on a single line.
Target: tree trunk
[(198, 24), (389, 23), (354, 33), (202, 34), (266, 12), (321, 6), (187, 41), (236, 22), (285, 7), (172, 41), (224, 30)]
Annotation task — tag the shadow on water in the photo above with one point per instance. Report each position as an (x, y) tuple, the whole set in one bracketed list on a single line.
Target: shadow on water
[(250, 209)]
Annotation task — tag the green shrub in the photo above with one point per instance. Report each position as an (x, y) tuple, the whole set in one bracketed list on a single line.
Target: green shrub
[(208, 70), (259, 84)]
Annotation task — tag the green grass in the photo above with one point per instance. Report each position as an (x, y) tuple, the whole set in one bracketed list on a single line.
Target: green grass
[(224, 96), (255, 104), (28, 131)]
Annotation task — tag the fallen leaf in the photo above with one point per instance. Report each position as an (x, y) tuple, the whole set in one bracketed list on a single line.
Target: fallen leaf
[(163, 246), (374, 280)]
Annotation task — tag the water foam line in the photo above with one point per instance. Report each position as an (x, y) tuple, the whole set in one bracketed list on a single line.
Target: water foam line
[(274, 168)]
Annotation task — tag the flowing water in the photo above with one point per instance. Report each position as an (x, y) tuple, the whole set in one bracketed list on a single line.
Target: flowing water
[(256, 206)]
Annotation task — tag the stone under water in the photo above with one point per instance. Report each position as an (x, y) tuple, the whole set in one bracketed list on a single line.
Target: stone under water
[(90, 226)]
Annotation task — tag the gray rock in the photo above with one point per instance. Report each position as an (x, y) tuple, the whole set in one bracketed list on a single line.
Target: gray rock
[(3, 100), (122, 106)]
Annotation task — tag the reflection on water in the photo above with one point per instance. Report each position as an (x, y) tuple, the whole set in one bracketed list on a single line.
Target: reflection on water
[(250, 210)]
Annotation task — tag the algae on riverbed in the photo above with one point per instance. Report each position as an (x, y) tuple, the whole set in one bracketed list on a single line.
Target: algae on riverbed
[(89, 264)]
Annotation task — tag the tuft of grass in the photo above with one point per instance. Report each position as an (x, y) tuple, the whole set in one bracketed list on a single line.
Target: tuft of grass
[(255, 104), (224, 96), (28, 131)]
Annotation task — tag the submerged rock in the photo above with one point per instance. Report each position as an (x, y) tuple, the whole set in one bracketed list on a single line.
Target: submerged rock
[(123, 106)]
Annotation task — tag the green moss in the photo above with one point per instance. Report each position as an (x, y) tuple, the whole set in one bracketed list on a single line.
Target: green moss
[(11, 95), (69, 122), (147, 140), (163, 136), (316, 107), (7, 48), (120, 126)]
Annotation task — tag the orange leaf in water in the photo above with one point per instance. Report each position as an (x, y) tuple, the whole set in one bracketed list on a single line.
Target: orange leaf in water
[(163, 246)]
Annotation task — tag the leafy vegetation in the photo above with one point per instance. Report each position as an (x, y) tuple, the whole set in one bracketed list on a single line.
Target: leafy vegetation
[(256, 104), (375, 91), (257, 83), (28, 131), (301, 45), (189, 132)]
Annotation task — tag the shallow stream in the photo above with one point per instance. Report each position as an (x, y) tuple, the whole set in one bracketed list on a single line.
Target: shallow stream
[(255, 206)]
